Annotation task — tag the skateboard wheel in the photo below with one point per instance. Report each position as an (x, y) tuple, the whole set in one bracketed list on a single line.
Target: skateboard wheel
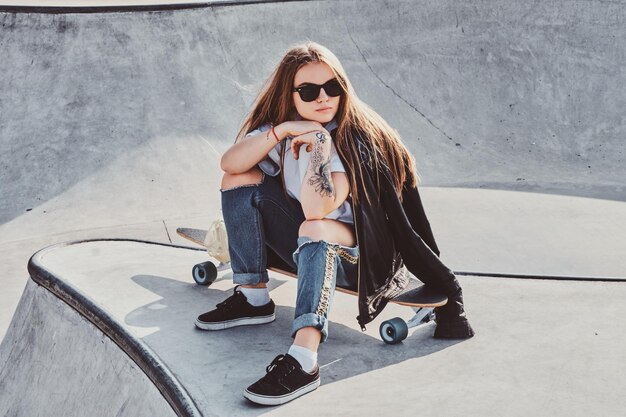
[(204, 273), (394, 331)]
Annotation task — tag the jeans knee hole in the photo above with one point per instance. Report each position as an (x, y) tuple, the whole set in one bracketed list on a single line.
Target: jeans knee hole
[(236, 187)]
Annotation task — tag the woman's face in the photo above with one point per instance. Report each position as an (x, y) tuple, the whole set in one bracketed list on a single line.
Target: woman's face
[(324, 107)]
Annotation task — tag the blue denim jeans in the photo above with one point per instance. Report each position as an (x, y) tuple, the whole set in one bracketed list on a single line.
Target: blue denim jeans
[(262, 216)]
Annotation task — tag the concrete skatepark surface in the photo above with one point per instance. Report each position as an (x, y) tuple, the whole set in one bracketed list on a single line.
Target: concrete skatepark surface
[(508, 369), (112, 125)]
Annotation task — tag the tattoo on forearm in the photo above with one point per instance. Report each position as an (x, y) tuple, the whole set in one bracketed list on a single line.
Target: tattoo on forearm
[(321, 180), (320, 169), (317, 157)]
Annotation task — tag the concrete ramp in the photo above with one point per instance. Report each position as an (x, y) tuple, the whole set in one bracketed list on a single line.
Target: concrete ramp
[(55, 362), (64, 355), (113, 321)]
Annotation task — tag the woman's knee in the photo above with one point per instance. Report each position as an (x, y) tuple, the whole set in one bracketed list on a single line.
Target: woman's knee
[(314, 229), (251, 177), (329, 230)]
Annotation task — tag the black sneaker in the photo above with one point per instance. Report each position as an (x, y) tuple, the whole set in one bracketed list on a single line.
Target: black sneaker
[(285, 380), (235, 311)]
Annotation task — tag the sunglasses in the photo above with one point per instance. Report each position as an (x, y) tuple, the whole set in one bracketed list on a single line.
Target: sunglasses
[(310, 92)]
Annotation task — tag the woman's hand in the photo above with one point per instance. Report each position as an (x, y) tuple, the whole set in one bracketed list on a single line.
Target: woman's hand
[(297, 128), (320, 136)]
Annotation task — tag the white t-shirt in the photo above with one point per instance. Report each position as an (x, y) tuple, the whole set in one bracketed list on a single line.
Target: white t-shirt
[(295, 170)]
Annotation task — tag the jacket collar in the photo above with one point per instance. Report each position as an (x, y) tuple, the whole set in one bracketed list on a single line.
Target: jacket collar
[(332, 125)]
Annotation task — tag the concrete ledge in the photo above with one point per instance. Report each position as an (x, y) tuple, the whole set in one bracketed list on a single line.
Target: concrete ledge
[(68, 7), (139, 352)]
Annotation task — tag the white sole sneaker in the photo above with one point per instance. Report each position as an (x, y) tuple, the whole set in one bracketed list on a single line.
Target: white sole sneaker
[(244, 321), (266, 400)]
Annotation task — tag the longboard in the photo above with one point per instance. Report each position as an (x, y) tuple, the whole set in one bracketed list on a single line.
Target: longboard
[(415, 294)]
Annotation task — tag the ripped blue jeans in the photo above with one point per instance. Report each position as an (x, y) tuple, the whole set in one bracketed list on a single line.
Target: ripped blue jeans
[(260, 221)]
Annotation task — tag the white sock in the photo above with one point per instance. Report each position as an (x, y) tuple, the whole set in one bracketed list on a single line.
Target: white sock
[(256, 296), (306, 357)]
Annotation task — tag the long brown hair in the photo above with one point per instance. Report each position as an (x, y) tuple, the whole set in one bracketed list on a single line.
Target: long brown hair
[(274, 105)]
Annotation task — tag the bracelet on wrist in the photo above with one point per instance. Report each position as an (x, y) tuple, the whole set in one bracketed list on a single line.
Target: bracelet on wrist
[(275, 135)]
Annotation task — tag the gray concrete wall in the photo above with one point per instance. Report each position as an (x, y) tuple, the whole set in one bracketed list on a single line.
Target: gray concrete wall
[(53, 362), (119, 118)]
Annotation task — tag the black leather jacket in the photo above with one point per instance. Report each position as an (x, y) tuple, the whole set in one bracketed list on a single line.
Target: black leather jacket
[(392, 233)]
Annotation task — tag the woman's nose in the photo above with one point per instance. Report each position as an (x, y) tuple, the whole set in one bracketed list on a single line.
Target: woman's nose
[(323, 95)]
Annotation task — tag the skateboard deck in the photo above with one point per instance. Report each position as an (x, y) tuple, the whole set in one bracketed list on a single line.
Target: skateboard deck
[(415, 294)]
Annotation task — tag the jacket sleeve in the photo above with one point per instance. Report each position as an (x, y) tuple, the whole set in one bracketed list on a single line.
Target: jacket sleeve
[(414, 210), (410, 209), (418, 255)]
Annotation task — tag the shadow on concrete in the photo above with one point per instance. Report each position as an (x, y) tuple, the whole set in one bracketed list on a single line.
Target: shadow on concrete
[(238, 356)]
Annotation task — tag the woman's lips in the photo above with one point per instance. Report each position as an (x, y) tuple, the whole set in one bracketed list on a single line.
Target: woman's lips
[(325, 109)]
